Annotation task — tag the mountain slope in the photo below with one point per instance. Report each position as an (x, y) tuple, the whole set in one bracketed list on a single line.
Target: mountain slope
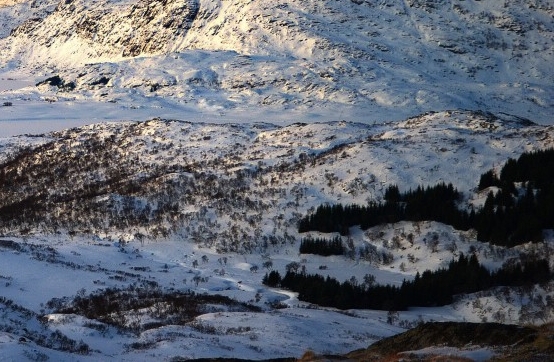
[(242, 185), (368, 60)]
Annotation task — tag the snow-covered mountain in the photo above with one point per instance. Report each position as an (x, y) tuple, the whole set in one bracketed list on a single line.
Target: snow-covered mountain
[(354, 60), (241, 117)]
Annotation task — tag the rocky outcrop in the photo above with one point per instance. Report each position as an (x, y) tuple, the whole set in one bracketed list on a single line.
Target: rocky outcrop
[(101, 29)]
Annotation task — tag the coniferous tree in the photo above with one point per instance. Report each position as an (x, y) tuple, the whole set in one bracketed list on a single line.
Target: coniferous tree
[(431, 288), (273, 279), (507, 217), (488, 179)]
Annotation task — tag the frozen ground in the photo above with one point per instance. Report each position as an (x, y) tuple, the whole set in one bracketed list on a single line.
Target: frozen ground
[(352, 163), (57, 267), (273, 333)]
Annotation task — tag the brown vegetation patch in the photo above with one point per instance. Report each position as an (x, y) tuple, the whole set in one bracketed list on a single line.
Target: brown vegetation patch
[(511, 342)]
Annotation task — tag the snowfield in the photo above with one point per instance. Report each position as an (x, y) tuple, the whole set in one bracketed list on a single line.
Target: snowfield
[(272, 333)]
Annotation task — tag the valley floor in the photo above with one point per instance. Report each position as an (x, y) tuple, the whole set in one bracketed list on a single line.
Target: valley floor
[(59, 268)]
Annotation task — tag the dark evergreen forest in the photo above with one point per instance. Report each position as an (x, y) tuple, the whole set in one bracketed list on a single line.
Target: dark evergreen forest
[(517, 213), (432, 288), (321, 246), (517, 210)]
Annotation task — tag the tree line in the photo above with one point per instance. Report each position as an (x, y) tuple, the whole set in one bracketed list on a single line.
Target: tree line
[(322, 246), (431, 288), (517, 213), (431, 203)]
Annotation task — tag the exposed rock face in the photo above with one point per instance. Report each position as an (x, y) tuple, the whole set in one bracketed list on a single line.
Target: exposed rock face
[(300, 28), (128, 29)]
